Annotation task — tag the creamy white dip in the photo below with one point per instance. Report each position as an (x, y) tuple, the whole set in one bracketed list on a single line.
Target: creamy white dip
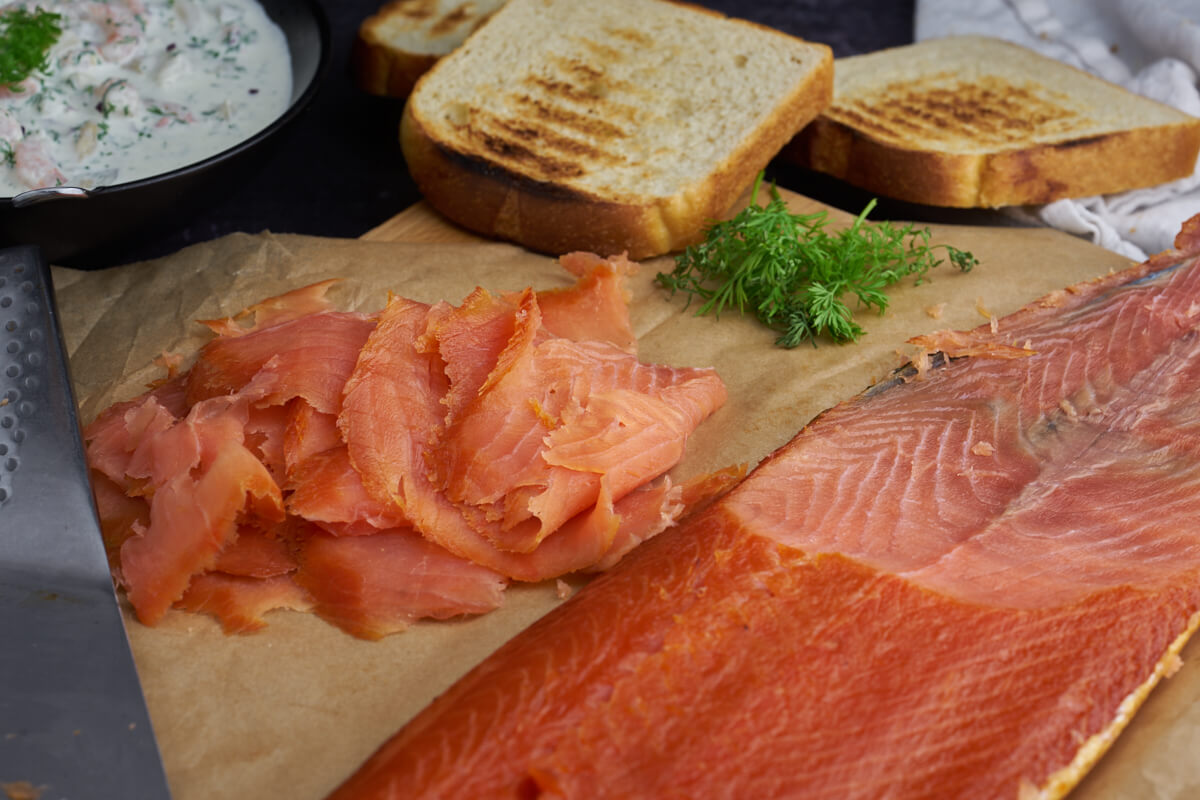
[(135, 88)]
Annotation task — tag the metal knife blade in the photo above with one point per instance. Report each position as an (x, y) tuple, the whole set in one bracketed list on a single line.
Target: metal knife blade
[(73, 719)]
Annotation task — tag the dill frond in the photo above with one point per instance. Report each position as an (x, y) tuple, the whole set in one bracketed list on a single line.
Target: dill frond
[(794, 276)]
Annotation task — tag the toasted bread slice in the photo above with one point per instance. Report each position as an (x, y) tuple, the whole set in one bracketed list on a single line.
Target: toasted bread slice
[(618, 126), (398, 43), (979, 122)]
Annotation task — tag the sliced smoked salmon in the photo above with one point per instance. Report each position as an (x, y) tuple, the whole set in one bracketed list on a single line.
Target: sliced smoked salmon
[(307, 433), (257, 553), (119, 430), (309, 357), (534, 447), (960, 584), (238, 602), (473, 485), (311, 299), (596, 309), (193, 516), (302, 460), (327, 490), (371, 586)]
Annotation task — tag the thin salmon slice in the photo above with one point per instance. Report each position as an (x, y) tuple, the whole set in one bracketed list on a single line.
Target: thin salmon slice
[(390, 407), (946, 587), (482, 338), (192, 518), (596, 308), (308, 357), (310, 299), (120, 515), (372, 586), (478, 341), (307, 432), (265, 434), (624, 436), (239, 602), (116, 433), (256, 553), (327, 490), (390, 413)]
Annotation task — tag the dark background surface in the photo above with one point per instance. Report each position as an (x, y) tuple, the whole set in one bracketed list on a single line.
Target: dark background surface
[(339, 172)]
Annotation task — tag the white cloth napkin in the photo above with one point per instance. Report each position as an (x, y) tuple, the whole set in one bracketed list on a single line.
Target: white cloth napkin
[(1151, 47)]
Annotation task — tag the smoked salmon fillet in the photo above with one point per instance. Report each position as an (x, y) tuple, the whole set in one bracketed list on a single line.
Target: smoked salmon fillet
[(960, 584)]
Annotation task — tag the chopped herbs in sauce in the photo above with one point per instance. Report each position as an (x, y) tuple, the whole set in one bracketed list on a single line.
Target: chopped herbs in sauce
[(25, 39)]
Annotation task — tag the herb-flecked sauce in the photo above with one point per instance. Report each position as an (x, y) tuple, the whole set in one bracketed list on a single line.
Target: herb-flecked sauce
[(135, 88)]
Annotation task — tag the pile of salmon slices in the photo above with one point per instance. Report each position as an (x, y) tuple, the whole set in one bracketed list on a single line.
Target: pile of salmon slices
[(381, 468)]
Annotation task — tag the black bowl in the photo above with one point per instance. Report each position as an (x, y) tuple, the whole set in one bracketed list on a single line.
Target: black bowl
[(68, 223)]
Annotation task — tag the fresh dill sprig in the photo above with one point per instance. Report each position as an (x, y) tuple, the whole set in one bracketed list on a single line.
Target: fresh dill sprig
[(25, 40), (795, 276)]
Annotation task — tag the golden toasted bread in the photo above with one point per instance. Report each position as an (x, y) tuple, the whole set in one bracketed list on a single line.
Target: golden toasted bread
[(979, 122), (617, 126), (398, 43)]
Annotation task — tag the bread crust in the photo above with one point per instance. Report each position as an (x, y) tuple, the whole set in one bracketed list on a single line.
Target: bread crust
[(383, 70), (1043, 173), (484, 197), (383, 67), (1119, 161), (913, 175)]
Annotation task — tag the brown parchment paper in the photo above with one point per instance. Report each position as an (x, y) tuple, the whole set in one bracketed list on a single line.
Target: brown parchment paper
[(290, 711)]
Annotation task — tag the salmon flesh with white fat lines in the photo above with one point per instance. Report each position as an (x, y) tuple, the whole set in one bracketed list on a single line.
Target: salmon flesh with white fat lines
[(959, 584)]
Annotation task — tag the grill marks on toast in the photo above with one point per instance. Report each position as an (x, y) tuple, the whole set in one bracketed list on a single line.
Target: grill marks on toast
[(566, 121), (537, 147), (988, 112), (594, 80), (538, 108)]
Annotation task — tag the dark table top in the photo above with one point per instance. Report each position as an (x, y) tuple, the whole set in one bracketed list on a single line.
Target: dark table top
[(339, 171)]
